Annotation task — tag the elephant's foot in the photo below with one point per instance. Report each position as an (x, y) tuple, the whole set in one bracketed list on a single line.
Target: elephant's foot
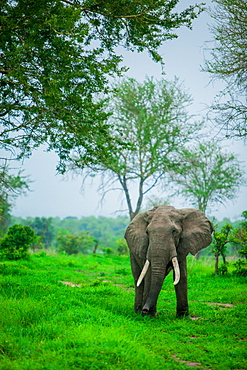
[(183, 313), (138, 308)]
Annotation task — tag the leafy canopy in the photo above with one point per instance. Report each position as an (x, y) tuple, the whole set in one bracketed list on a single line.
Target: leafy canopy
[(15, 244), (56, 56), (241, 235), (152, 116), (228, 63), (207, 175), (219, 245), (11, 186)]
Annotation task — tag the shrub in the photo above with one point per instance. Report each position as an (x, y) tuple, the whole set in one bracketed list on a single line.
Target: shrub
[(223, 269), (16, 242), (108, 251), (73, 244), (240, 268), (121, 246)]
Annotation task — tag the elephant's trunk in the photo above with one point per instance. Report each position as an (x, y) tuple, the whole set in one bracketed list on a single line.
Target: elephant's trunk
[(175, 267)]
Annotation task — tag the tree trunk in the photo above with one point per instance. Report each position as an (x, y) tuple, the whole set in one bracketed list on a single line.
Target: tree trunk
[(123, 182), (216, 264), (224, 258), (95, 247)]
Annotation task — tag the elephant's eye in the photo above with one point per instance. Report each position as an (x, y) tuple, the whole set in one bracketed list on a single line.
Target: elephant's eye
[(174, 231)]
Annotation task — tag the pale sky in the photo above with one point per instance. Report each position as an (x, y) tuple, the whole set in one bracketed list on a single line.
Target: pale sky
[(55, 195)]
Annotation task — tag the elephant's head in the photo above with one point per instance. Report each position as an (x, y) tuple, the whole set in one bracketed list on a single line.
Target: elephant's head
[(163, 237)]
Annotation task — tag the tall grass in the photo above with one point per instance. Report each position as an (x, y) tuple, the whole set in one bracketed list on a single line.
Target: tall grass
[(76, 312)]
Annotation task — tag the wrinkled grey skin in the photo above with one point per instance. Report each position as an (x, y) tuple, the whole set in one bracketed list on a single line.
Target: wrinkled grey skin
[(159, 235)]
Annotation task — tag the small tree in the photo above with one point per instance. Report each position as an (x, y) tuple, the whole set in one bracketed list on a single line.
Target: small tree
[(206, 175), (121, 246), (11, 186), (43, 227), (240, 236), (219, 244), (73, 244), (15, 244), (153, 117), (96, 244)]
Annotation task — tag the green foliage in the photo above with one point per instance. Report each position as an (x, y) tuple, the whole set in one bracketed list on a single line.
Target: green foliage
[(220, 239), (207, 175), (105, 230), (228, 62), (11, 186), (152, 116), (47, 324), (73, 244), (240, 268), (240, 236), (15, 244), (121, 246), (108, 251), (43, 227), (219, 246), (52, 69), (223, 270)]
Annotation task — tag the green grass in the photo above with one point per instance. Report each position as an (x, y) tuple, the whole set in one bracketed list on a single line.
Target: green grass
[(46, 324)]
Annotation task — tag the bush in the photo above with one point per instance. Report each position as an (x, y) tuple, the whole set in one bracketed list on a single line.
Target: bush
[(73, 244), (121, 246), (15, 244), (108, 251), (223, 269), (240, 268)]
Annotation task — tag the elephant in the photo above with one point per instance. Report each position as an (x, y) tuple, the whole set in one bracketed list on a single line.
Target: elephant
[(159, 241)]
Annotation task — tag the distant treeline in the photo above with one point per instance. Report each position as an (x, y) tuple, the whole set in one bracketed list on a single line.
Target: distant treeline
[(106, 231)]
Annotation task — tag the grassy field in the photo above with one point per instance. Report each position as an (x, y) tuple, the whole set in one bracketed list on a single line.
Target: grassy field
[(76, 312)]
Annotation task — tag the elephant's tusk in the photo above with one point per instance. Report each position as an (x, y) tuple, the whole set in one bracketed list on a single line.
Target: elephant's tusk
[(176, 270), (143, 273)]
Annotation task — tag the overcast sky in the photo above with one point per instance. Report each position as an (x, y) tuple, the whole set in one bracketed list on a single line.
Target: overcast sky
[(54, 195)]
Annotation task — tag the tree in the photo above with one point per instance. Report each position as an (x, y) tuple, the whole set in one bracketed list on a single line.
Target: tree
[(219, 244), (206, 175), (43, 227), (152, 116), (11, 186), (229, 63), (121, 246), (56, 56), (15, 244), (73, 244), (240, 236)]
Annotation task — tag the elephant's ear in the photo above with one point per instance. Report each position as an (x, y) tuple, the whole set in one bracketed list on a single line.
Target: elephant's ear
[(136, 236), (197, 230)]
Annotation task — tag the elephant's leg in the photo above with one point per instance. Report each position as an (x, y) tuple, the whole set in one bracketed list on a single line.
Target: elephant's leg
[(136, 270), (182, 290), (138, 298)]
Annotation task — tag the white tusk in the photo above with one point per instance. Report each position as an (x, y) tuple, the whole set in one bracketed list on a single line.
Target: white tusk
[(143, 273), (176, 270)]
